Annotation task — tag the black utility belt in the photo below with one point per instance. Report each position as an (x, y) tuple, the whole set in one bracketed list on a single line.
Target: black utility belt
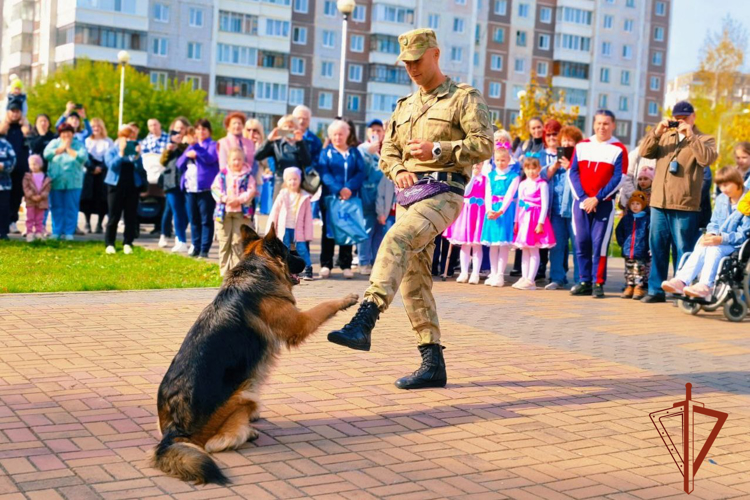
[(446, 177)]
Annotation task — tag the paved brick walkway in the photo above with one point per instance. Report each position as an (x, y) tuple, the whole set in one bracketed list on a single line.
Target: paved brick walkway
[(548, 398)]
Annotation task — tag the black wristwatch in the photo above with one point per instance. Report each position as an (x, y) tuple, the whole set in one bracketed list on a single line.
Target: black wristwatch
[(436, 150)]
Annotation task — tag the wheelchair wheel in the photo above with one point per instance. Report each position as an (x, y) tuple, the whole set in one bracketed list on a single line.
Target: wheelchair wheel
[(688, 307), (720, 295), (735, 310), (746, 287)]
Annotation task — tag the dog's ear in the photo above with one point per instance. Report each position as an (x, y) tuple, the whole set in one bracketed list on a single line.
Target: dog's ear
[(248, 235), (271, 234)]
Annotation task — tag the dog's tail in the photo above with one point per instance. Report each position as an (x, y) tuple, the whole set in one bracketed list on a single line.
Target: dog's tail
[(186, 461)]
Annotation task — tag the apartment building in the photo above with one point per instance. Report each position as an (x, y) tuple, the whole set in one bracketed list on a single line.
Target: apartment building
[(682, 87), (266, 56)]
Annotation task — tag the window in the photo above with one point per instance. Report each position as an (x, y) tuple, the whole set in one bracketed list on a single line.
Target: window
[(384, 43), (355, 72), (658, 34), (653, 108), (501, 7), (325, 100), (457, 54), (630, 3), (476, 61), (628, 26), (655, 83), (603, 101), (387, 73), (433, 21), (299, 35), (329, 8), (661, 9), (195, 51), (494, 91), (520, 65), (277, 27), (573, 97), (329, 39), (608, 21), (627, 52), (265, 91), (352, 103), (238, 55), (234, 22), (161, 13), (623, 103), (622, 128), (326, 69), (124, 6), (196, 17), (604, 75), (545, 15), (625, 77), (394, 14), (458, 25), (301, 6), (268, 59), (235, 87), (195, 82), (159, 79), (544, 42), (99, 36), (160, 47), (360, 14), (574, 16), (496, 62), (572, 70), (542, 68), (498, 35), (460, 2), (296, 96), (657, 58), (573, 42), (520, 38), (383, 102), (357, 43), (298, 66), (523, 10)]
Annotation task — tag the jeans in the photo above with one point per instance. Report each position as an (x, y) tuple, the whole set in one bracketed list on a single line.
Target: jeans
[(302, 247), (200, 209), (704, 261), (34, 220), (166, 219), (558, 254), (178, 206), (368, 249), (63, 204), (4, 212), (123, 201), (669, 228)]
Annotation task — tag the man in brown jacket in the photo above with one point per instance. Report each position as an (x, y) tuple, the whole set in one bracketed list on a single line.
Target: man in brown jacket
[(682, 153)]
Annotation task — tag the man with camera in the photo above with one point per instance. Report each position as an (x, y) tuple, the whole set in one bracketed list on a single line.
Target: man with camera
[(682, 153)]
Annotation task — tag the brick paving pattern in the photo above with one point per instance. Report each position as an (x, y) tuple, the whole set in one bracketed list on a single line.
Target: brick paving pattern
[(548, 398)]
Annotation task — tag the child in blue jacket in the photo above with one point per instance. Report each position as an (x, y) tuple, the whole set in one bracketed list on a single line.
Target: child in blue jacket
[(632, 235)]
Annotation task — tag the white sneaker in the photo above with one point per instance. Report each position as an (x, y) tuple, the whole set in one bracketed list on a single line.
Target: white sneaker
[(474, 279), (13, 229), (110, 250), (179, 247), (163, 241), (68, 237), (552, 286), (462, 278), (325, 273), (520, 283), (191, 248), (527, 285), (496, 281), (30, 237), (348, 274), (365, 270), (490, 280), (127, 249)]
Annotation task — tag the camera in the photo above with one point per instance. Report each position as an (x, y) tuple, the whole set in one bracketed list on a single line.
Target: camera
[(673, 124), (673, 167)]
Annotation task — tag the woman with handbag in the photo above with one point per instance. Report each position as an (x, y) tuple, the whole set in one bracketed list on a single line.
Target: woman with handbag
[(286, 146), (94, 193), (342, 172)]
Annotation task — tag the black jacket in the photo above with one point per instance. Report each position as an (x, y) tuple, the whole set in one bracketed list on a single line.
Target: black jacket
[(172, 176), (285, 155)]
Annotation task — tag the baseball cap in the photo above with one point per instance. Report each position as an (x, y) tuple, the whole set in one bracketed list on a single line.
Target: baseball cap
[(374, 122), (415, 43), (683, 108)]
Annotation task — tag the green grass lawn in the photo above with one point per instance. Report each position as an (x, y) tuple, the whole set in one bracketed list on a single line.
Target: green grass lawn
[(58, 266)]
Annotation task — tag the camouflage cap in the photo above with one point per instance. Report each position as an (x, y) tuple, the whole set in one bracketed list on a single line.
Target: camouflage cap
[(414, 43)]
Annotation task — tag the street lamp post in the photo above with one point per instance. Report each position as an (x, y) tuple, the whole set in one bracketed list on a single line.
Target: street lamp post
[(124, 57), (346, 7)]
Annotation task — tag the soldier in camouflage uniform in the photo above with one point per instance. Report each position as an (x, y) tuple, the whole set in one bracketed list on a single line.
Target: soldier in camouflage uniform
[(441, 131)]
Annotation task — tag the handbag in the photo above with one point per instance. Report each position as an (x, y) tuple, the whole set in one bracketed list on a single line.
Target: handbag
[(426, 187), (345, 220), (311, 182)]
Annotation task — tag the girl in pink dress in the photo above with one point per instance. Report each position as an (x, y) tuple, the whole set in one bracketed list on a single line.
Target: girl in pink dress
[(534, 227), (466, 230)]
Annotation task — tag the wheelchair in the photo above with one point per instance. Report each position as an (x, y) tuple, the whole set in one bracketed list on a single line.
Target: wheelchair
[(731, 289)]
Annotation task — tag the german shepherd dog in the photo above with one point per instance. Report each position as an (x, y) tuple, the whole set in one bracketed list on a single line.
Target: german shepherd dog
[(209, 394)]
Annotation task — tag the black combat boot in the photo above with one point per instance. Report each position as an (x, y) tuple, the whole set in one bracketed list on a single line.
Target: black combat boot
[(356, 334), (431, 373)]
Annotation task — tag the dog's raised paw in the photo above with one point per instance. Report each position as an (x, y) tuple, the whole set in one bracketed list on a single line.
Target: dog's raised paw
[(253, 434), (349, 301)]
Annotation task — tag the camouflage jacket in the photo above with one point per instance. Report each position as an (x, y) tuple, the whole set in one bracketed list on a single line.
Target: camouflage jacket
[(458, 118)]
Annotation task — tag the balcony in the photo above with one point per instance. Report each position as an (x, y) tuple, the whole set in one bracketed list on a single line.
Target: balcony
[(382, 73)]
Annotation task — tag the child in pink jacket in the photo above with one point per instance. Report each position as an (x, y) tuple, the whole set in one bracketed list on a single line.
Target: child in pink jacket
[(36, 188), (292, 215)]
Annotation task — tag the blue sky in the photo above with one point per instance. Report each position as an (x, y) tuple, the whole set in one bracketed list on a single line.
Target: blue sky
[(691, 19)]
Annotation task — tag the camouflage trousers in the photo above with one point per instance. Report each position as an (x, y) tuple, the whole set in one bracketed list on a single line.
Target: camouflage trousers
[(404, 262), (637, 272)]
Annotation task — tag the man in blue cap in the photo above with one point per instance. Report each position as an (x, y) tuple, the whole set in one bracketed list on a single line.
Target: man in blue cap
[(682, 153)]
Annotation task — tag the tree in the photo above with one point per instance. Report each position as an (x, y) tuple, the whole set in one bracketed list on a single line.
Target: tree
[(96, 85), (540, 101)]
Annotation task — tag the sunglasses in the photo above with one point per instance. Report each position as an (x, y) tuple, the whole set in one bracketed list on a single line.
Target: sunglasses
[(551, 134)]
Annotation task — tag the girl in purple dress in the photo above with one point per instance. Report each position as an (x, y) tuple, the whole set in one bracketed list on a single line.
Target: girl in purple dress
[(534, 227), (466, 231)]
